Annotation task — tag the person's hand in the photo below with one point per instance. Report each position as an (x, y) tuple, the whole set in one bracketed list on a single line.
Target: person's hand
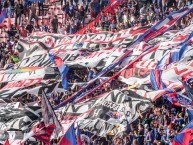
[(139, 111)]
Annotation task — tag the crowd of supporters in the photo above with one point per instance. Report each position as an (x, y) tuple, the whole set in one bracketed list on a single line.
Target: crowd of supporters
[(161, 123), (157, 126)]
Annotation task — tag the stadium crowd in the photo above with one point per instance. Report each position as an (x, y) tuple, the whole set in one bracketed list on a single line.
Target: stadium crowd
[(158, 126), (161, 123)]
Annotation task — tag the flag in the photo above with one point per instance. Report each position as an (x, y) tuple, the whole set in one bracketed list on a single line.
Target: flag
[(185, 136), (69, 137), (43, 133), (190, 114), (161, 27), (78, 139), (63, 69), (6, 142), (48, 114), (3, 15)]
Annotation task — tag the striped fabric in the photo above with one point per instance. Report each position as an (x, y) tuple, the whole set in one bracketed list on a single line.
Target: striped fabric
[(43, 133)]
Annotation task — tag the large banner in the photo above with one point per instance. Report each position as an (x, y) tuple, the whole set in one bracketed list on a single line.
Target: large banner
[(77, 50), (107, 114), (161, 27), (167, 52), (91, 42)]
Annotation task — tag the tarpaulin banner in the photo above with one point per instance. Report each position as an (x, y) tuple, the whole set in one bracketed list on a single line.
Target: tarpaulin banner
[(160, 27), (107, 112), (172, 78), (91, 42)]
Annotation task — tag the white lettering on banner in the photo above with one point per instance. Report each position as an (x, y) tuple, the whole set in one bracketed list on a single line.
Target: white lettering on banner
[(99, 37), (19, 119), (111, 105), (98, 126), (111, 109), (90, 42), (21, 123), (35, 60), (72, 57), (96, 112), (182, 100)]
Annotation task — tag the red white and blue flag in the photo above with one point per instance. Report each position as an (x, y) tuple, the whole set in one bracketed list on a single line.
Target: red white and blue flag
[(78, 139), (69, 137), (161, 27), (185, 136), (63, 69), (49, 115), (3, 15)]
